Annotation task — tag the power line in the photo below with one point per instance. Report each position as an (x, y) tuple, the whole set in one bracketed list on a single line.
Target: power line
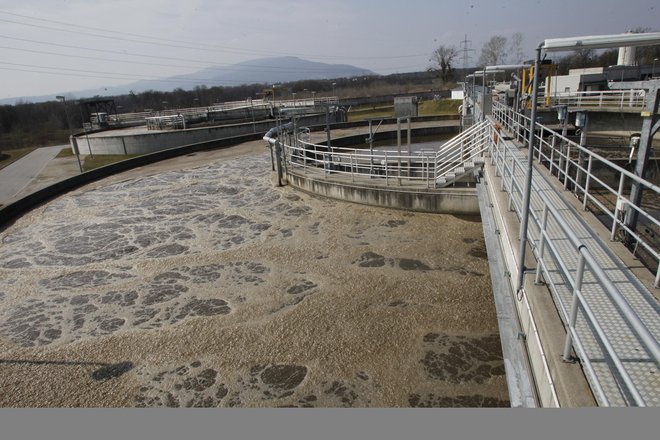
[(200, 64), (195, 45), (142, 55), (109, 75)]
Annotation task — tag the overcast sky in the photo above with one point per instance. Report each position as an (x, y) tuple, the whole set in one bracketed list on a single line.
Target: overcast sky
[(112, 42)]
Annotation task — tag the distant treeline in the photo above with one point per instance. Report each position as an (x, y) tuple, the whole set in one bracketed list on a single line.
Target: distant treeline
[(37, 124), (592, 58)]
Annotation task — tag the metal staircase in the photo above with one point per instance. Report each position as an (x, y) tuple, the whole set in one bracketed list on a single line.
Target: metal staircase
[(463, 155)]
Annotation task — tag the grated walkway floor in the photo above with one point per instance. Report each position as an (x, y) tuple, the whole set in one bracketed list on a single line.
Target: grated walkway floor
[(641, 367)]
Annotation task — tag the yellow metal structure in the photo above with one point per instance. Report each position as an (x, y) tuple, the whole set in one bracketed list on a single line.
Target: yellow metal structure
[(547, 71)]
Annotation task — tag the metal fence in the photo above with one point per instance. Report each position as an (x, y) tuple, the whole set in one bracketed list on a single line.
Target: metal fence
[(632, 99), (402, 166), (562, 256), (574, 165)]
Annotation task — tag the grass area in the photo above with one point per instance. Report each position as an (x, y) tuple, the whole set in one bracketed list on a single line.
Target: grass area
[(439, 107), (9, 156), (365, 112), (66, 152), (101, 160)]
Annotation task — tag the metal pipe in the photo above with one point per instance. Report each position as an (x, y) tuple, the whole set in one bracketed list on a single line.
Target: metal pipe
[(528, 179)]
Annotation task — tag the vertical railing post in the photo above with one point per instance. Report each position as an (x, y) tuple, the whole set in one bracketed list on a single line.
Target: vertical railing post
[(304, 150), (544, 224), (568, 345), (568, 165), (586, 184), (503, 170), (552, 153), (513, 172), (352, 169), (541, 144), (615, 219), (386, 171)]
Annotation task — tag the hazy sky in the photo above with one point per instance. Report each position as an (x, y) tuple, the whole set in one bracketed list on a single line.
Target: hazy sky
[(111, 42)]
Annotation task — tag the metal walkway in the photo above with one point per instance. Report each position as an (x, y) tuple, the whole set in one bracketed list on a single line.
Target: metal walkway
[(600, 322)]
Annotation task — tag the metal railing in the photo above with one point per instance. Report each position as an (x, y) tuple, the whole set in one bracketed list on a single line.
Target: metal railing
[(202, 112), (174, 122), (633, 99), (507, 164), (575, 166), (393, 167), (466, 148)]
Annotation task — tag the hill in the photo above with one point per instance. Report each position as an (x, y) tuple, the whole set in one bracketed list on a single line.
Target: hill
[(257, 71)]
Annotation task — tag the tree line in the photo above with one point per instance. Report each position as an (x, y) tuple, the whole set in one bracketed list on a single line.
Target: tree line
[(37, 124), (509, 50)]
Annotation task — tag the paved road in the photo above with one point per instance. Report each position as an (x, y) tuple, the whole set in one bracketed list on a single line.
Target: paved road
[(17, 175)]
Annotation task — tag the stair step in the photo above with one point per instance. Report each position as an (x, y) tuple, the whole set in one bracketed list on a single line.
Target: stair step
[(459, 170), (480, 160)]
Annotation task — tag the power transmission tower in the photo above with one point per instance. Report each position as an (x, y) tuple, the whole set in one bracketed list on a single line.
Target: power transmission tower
[(465, 48)]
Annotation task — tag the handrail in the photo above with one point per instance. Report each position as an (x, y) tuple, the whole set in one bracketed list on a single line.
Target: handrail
[(608, 98), (622, 204), (586, 259), (393, 166)]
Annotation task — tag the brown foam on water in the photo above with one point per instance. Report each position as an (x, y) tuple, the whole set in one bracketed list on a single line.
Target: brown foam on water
[(219, 290)]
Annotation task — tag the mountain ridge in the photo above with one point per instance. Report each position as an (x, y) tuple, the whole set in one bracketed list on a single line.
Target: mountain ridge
[(270, 70)]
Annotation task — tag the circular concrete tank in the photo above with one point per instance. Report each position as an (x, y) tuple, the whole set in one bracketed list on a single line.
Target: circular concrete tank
[(194, 282)]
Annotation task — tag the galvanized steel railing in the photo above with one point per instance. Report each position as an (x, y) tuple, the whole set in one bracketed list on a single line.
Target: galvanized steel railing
[(574, 165), (633, 99), (508, 164), (466, 148), (393, 167), (399, 167)]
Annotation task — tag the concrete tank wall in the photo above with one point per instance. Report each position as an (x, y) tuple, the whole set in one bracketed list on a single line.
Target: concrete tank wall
[(151, 141), (462, 201)]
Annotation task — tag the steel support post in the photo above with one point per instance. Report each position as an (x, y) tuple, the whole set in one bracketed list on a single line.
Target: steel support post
[(650, 126), (528, 179)]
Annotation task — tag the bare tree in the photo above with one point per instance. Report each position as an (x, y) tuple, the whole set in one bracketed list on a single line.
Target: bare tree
[(515, 48), (494, 51), (646, 54), (584, 57), (442, 59)]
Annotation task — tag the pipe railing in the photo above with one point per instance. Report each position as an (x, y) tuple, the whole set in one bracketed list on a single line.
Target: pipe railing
[(574, 165), (506, 163), (392, 166), (635, 99), (467, 147)]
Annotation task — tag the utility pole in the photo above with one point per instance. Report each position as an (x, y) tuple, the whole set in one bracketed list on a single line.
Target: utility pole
[(74, 144)]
